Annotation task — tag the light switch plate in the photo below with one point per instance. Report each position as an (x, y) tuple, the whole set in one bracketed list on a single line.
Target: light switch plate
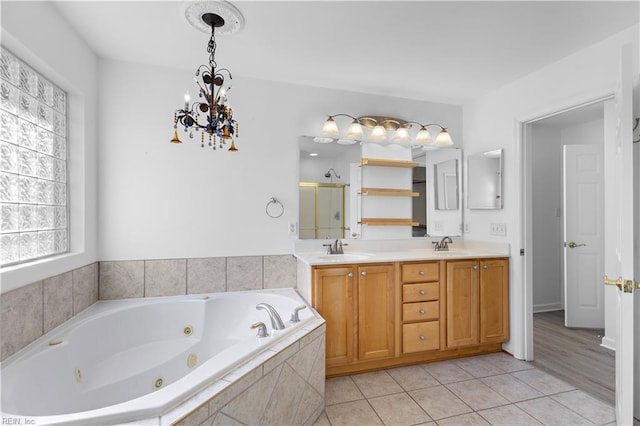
[(499, 229)]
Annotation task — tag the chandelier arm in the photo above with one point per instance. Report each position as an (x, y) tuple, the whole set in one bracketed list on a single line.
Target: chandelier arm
[(345, 115), (426, 125)]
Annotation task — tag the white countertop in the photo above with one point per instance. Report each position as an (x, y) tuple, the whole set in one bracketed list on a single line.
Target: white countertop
[(373, 254)]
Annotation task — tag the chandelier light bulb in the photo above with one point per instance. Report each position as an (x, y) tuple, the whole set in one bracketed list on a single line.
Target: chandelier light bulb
[(423, 137), (330, 128), (355, 131), (379, 133), (401, 135), (444, 139), (187, 97)]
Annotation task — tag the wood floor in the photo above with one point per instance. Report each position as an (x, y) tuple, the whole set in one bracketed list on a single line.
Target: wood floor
[(574, 355)]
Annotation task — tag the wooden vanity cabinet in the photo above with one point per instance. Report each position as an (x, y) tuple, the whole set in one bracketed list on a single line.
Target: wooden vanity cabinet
[(380, 315), (420, 307), (358, 304), (477, 302), (333, 298)]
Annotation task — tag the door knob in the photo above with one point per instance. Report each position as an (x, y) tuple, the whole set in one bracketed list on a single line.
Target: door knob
[(363, 273), (573, 244), (350, 274)]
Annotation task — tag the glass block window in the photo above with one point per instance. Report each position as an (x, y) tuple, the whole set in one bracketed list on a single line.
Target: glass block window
[(33, 164)]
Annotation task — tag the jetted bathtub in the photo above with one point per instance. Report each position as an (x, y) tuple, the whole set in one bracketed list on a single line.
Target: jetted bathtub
[(123, 360)]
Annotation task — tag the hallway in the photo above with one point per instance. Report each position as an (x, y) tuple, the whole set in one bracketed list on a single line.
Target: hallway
[(574, 355)]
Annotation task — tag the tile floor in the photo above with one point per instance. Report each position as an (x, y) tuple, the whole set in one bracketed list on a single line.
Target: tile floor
[(494, 389)]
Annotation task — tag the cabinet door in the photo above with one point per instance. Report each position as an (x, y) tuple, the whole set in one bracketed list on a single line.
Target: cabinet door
[(462, 303), (376, 312), (333, 299), (494, 301)]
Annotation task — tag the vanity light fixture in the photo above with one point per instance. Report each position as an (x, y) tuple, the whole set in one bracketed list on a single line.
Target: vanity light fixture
[(211, 112), (379, 126)]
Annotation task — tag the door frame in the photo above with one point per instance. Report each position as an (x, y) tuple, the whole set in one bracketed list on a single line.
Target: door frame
[(523, 295)]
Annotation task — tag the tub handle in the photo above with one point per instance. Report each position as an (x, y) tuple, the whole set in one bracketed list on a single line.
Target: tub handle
[(262, 329), (294, 314)]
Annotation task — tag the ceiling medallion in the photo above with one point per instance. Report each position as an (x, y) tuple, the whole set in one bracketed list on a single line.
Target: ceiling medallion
[(233, 19)]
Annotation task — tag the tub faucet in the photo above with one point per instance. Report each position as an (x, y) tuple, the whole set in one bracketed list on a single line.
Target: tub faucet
[(276, 321)]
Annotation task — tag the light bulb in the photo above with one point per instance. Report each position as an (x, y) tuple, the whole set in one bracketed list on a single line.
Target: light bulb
[(379, 133), (401, 135), (330, 128), (424, 137), (444, 139), (355, 131), (187, 97)]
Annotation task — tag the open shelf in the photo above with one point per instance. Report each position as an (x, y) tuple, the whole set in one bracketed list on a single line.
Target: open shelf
[(373, 221), (390, 192), (388, 163)]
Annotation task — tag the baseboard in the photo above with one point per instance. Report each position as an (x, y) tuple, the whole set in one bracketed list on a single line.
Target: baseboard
[(547, 307), (608, 343)]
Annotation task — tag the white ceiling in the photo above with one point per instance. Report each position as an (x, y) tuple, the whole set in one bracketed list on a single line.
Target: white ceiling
[(447, 51)]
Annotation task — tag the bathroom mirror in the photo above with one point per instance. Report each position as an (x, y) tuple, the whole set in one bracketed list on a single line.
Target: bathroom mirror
[(445, 185), (324, 189), (337, 165), (484, 174), (444, 189)]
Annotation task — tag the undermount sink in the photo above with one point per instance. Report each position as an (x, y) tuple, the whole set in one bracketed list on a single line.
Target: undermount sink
[(346, 257)]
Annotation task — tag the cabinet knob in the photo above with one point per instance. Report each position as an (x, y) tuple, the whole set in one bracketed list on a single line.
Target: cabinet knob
[(485, 267), (421, 272), (363, 273), (475, 267), (422, 337), (423, 292), (350, 275), (422, 312)]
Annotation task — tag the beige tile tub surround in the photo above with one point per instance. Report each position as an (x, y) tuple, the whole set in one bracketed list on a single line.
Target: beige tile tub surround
[(32, 310), (284, 386), (28, 312), (175, 277)]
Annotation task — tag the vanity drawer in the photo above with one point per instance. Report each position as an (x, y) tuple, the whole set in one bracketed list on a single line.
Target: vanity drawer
[(420, 292), (420, 272), (421, 311), (421, 336)]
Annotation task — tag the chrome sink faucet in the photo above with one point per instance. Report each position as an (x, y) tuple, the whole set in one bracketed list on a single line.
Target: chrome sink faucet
[(442, 245), (276, 321), (335, 248)]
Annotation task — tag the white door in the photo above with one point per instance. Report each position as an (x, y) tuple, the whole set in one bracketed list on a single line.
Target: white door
[(583, 186), (620, 267)]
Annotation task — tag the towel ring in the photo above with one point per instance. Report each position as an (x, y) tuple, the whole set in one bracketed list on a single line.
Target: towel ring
[(272, 208)]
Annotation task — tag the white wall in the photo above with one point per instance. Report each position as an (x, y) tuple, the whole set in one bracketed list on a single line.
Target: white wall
[(547, 142), (38, 34), (492, 121), (159, 200), (547, 218)]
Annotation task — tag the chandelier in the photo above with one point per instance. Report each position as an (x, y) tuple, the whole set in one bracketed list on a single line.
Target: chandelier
[(380, 126), (210, 113)]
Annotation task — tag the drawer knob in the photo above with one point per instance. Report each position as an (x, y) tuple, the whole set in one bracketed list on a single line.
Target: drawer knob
[(421, 272), (475, 267), (422, 312), (422, 337), (350, 274), (423, 292), (485, 267), (363, 273)]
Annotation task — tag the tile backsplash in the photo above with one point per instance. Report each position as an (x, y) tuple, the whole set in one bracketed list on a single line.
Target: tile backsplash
[(28, 312)]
